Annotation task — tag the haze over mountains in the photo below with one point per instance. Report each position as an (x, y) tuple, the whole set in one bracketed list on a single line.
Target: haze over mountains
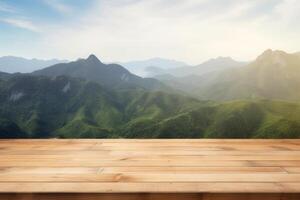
[(12, 64), (273, 75), (144, 67), (221, 98), (215, 64)]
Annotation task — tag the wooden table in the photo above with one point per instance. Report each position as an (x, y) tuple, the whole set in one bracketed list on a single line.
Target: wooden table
[(149, 169)]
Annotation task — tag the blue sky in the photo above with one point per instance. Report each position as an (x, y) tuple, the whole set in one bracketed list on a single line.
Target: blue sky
[(23, 23), (122, 30)]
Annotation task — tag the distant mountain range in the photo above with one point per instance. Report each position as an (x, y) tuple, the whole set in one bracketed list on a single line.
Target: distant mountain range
[(12, 64), (89, 99), (112, 76), (273, 75), (143, 67), (212, 65)]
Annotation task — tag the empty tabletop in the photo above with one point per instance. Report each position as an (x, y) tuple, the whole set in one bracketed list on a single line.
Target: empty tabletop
[(150, 166)]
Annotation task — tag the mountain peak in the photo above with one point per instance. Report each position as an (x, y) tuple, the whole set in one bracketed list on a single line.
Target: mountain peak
[(267, 52), (273, 58), (272, 55), (93, 58), (270, 52)]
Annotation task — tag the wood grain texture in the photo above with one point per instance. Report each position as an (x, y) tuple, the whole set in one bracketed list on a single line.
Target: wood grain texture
[(143, 196), (210, 167)]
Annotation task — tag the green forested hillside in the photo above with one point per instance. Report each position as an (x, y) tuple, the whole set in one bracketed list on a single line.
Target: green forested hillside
[(239, 119), (69, 107), (42, 107)]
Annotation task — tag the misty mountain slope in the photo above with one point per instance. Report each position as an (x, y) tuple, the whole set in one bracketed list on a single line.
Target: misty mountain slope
[(212, 65), (12, 64), (273, 75), (112, 76), (141, 67)]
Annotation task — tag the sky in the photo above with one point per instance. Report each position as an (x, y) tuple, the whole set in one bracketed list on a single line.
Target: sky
[(123, 30)]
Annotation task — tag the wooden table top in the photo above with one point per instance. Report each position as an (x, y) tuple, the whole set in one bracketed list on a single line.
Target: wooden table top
[(150, 166)]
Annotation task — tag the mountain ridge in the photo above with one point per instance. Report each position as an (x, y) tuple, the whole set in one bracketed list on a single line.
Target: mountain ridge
[(273, 75), (14, 64), (112, 76), (211, 65)]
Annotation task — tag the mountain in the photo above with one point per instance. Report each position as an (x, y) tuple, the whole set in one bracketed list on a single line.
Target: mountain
[(112, 76), (141, 67), (89, 99), (64, 107), (12, 64), (273, 75), (212, 65), (4, 75), (46, 107), (43, 107)]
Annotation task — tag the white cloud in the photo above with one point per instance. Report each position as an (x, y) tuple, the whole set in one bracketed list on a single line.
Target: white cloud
[(188, 30), (6, 8), (21, 23), (59, 6), (287, 13)]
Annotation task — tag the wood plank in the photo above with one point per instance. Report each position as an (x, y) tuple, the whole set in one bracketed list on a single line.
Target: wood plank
[(131, 144), (143, 196), (194, 170), (150, 152), (141, 170), (155, 177), (87, 187), (158, 158), (85, 162), (101, 196)]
